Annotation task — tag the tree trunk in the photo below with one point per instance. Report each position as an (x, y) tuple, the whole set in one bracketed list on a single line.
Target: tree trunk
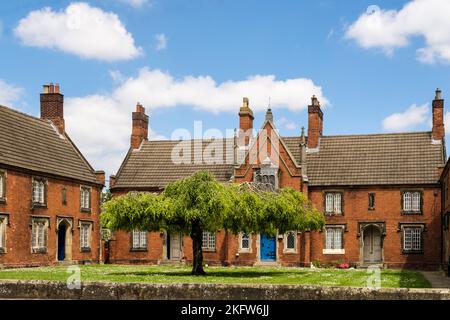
[(197, 253)]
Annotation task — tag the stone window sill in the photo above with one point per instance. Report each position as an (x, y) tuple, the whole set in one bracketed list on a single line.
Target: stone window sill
[(289, 251), (39, 250), (411, 213), (208, 250), (2, 250), (333, 251), (138, 250), (85, 249), (2, 200), (85, 210)]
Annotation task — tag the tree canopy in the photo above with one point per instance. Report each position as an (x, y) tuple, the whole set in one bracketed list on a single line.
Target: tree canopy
[(199, 203)]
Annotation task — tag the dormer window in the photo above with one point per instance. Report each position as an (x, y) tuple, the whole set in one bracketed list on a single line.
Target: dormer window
[(267, 175), (39, 194)]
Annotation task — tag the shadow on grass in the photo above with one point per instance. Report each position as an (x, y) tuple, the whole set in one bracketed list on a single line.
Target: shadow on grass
[(210, 274), (412, 279)]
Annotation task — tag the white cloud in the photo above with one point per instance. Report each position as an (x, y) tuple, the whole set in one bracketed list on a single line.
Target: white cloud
[(117, 76), (161, 41), (412, 117), (135, 3), (286, 124), (9, 93), (80, 29), (101, 124), (392, 29)]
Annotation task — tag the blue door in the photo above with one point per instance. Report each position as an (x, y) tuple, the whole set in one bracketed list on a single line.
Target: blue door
[(61, 242), (268, 247)]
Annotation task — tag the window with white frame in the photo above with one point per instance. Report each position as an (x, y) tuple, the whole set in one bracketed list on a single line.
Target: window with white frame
[(412, 202), (290, 239), (245, 243), (39, 191), (209, 241), (412, 238), (333, 203), (39, 231), (85, 198), (2, 185), (3, 223), (334, 238), (139, 240), (85, 236)]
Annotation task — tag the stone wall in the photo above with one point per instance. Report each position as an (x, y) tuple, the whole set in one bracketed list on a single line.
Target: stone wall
[(140, 291)]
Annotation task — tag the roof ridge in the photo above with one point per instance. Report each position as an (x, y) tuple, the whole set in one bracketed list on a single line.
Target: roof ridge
[(21, 113), (366, 134)]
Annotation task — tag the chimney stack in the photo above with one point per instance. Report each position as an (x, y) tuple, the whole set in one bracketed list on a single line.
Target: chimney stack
[(52, 106), (315, 123), (438, 131), (139, 131), (245, 123)]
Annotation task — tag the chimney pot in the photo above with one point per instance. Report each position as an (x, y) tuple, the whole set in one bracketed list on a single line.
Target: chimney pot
[(57, 88), (438, 94)]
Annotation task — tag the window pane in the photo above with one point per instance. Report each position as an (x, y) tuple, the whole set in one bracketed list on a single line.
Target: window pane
[(329, 202), (2, 232), (415, 201), (1, 186), (329, 234), (412, 239), (209, 240), (407, 201), (337, 203), (291, 240), (245, 241)]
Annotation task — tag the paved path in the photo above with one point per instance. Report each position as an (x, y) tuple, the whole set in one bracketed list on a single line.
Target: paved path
[(437, 279)]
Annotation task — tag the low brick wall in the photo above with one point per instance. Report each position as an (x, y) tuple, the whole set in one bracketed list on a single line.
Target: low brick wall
[(148, 291)]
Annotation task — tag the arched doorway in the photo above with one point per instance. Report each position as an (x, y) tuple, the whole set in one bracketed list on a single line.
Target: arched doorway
[(64, 241), (372, 245)]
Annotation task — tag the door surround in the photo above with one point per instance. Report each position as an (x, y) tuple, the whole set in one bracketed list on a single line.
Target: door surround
[(67, 222), (362, 226)]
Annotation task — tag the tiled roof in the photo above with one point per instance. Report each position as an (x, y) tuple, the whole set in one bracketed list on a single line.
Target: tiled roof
[(34, 144), (152, 165), (373, 159)]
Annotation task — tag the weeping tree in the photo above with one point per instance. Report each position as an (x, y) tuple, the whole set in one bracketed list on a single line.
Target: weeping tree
[(200, 204)]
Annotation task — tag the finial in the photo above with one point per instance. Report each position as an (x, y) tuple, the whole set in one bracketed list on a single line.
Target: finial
[(303, 137), (245, 102), (315, 101), (269, 114), (438, 94)]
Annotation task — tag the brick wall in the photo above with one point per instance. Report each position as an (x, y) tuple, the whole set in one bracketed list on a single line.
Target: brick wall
[(18, 231), (388, 211)]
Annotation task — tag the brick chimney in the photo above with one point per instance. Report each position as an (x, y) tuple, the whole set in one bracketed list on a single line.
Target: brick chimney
[(245, 123), (52, 106), (139, 131), (438, 131), (315, 123)]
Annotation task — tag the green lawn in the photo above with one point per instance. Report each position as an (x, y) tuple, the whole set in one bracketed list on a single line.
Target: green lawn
[(175, 274)]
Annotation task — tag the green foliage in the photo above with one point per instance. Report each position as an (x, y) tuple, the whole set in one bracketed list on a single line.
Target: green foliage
[(203, 201)]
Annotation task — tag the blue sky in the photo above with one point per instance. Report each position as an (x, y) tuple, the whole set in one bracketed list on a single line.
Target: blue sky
[(369, 68)]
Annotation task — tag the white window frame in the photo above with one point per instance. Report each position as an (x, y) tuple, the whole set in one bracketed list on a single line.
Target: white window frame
[(208, 241), (139, 240), (39, 235), (285, 241), (85, 235), (3, 224), (333, 203), (242, 236), (412, 202), (85, 198), (412, 238), (330, 244), (2, 185), (39, 186)]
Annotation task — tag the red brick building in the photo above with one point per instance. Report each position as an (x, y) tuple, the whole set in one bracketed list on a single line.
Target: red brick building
[(49, 194), (380, 193)]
